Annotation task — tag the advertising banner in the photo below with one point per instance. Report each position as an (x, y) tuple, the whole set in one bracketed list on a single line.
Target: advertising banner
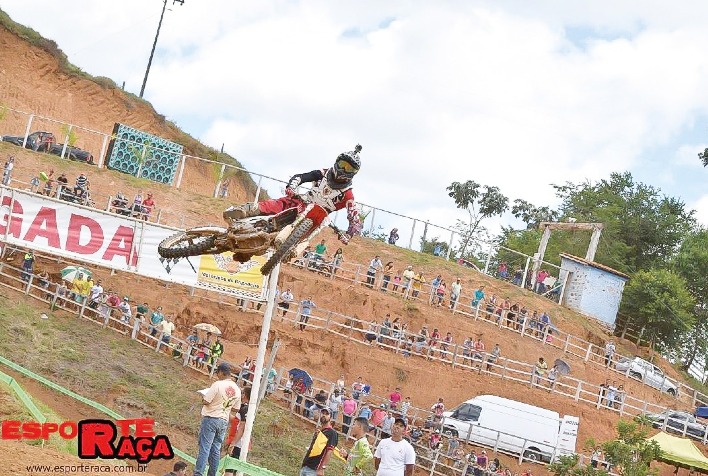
[(93, 236)]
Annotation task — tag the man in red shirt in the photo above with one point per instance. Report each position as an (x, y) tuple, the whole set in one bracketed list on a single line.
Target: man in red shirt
[(395, 398)]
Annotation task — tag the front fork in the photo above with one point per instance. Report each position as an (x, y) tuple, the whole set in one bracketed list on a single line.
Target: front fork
[(320, 219)]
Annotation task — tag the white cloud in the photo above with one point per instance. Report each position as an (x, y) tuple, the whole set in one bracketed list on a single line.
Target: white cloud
[(490, 91), (701, 207)]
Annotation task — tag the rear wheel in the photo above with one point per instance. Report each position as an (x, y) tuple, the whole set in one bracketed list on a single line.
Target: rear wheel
[(190, 243), (636, 375), (290, 242), (532, 455)]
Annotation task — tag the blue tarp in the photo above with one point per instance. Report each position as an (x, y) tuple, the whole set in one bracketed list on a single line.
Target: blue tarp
[(702, 412)]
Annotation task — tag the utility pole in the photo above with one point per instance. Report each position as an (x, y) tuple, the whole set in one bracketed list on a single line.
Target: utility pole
[(154, 44)]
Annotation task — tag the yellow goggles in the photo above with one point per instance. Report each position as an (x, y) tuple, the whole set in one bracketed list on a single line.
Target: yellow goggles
[(346, 167)]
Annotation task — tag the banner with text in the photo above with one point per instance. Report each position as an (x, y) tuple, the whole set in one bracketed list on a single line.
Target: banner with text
[(97, 237)]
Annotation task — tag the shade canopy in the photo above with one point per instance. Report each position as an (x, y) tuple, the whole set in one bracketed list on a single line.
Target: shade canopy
[(680, 452)]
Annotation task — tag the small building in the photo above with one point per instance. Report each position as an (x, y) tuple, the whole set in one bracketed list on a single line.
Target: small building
[(592, 289)]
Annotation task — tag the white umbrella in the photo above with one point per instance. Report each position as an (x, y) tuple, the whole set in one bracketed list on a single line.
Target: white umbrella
[(206, 327), (70, 272)]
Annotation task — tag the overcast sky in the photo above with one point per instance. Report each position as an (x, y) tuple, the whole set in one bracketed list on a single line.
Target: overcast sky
[(510, 93)]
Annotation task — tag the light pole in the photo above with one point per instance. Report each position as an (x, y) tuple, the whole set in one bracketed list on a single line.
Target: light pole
[(154, 44)]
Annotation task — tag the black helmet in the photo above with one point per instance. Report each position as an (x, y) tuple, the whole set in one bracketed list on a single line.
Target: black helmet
[(345, 168)]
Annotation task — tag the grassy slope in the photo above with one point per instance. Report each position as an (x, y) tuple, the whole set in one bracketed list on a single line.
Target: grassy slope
[(129, 378)]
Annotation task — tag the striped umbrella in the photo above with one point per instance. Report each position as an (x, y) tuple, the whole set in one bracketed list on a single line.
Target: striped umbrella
[(70, 272)]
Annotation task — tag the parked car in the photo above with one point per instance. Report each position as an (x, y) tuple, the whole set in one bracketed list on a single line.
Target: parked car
[(648, 373), (40, 141), (678, 422), (72, 153)]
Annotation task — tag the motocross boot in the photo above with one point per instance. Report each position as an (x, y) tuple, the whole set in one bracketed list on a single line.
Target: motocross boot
[(233, 214)]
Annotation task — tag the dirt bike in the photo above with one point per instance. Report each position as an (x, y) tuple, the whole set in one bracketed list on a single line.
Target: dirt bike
[(252, 236)]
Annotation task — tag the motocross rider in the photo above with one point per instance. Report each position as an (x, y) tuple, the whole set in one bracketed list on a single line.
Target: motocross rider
[(333, 184)]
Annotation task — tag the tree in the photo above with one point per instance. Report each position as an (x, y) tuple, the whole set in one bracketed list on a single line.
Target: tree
[(704, 157), (691, 263), (428, 246), (531, 214), (642, 227), (480, 202), (630, 454), (657, 301)]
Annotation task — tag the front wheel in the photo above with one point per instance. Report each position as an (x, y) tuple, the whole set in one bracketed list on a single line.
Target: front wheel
[(290, 242), (194, 242)]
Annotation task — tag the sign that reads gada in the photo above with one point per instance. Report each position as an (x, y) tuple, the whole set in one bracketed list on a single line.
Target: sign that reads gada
[(51, 226)]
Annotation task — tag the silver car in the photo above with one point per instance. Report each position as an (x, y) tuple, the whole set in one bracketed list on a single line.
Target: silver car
[(648, 373), (678, 422)]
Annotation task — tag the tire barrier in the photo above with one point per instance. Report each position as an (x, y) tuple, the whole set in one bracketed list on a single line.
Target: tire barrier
[(143, 155)]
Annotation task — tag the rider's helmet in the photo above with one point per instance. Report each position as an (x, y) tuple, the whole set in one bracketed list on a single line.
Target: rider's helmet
[(345, 168)]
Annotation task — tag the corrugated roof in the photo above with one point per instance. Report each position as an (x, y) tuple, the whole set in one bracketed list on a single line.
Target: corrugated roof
[(594, 265)]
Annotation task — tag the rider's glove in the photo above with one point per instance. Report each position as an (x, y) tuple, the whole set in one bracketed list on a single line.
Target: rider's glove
[(289, 192), (344, 238)]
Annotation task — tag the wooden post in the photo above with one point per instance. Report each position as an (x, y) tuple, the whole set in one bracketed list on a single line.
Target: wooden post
[(587, 353)]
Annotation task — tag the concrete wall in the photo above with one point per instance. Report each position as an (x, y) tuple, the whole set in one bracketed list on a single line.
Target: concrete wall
[(592, 291)]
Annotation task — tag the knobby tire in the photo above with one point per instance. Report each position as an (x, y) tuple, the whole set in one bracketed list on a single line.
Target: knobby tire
[(290, 242)]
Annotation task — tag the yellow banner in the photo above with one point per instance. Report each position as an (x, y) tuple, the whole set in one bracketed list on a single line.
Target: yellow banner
[(223, 273)]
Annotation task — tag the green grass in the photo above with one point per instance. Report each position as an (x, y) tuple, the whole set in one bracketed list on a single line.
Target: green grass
[(96, 363)]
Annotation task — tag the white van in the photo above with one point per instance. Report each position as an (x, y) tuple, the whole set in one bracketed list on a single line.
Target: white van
[(513, 427)]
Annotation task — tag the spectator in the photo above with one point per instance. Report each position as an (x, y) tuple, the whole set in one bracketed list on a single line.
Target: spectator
[(552, 376), (82, 184), (34, 184), (518, 277), (478, 350), (125, 311), (544, 322), (95, 294), (387, 425), (611, 392), (334, 403), (540, 278), (28, 265), (609, 353), (493, 357), (339, 385), (349, 408), (467, 348), (393, 237), (437, 251), (372, 332), (445, 346), (387, 270), (155, 319), (319, 403), (360, 454), (320, 249), (408, 276), (179, 469), (7, 170), (237, 426), (482, 462), (396, 281), (619, 397), (62, 185), (137, 207), (394, 398), (142, 310), (148, 206), (337, 260), (305, 311), (438, 409), (323, 444), (478, 297), (48, 184), (539, 370), (394, 456), (357, 388), (78, 288), (405, 406), (218, 401), (365, 411), (440, 293), (418, 282), (503, 271), (167, 327), (455, 291), (285, 299), (374, 266)]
